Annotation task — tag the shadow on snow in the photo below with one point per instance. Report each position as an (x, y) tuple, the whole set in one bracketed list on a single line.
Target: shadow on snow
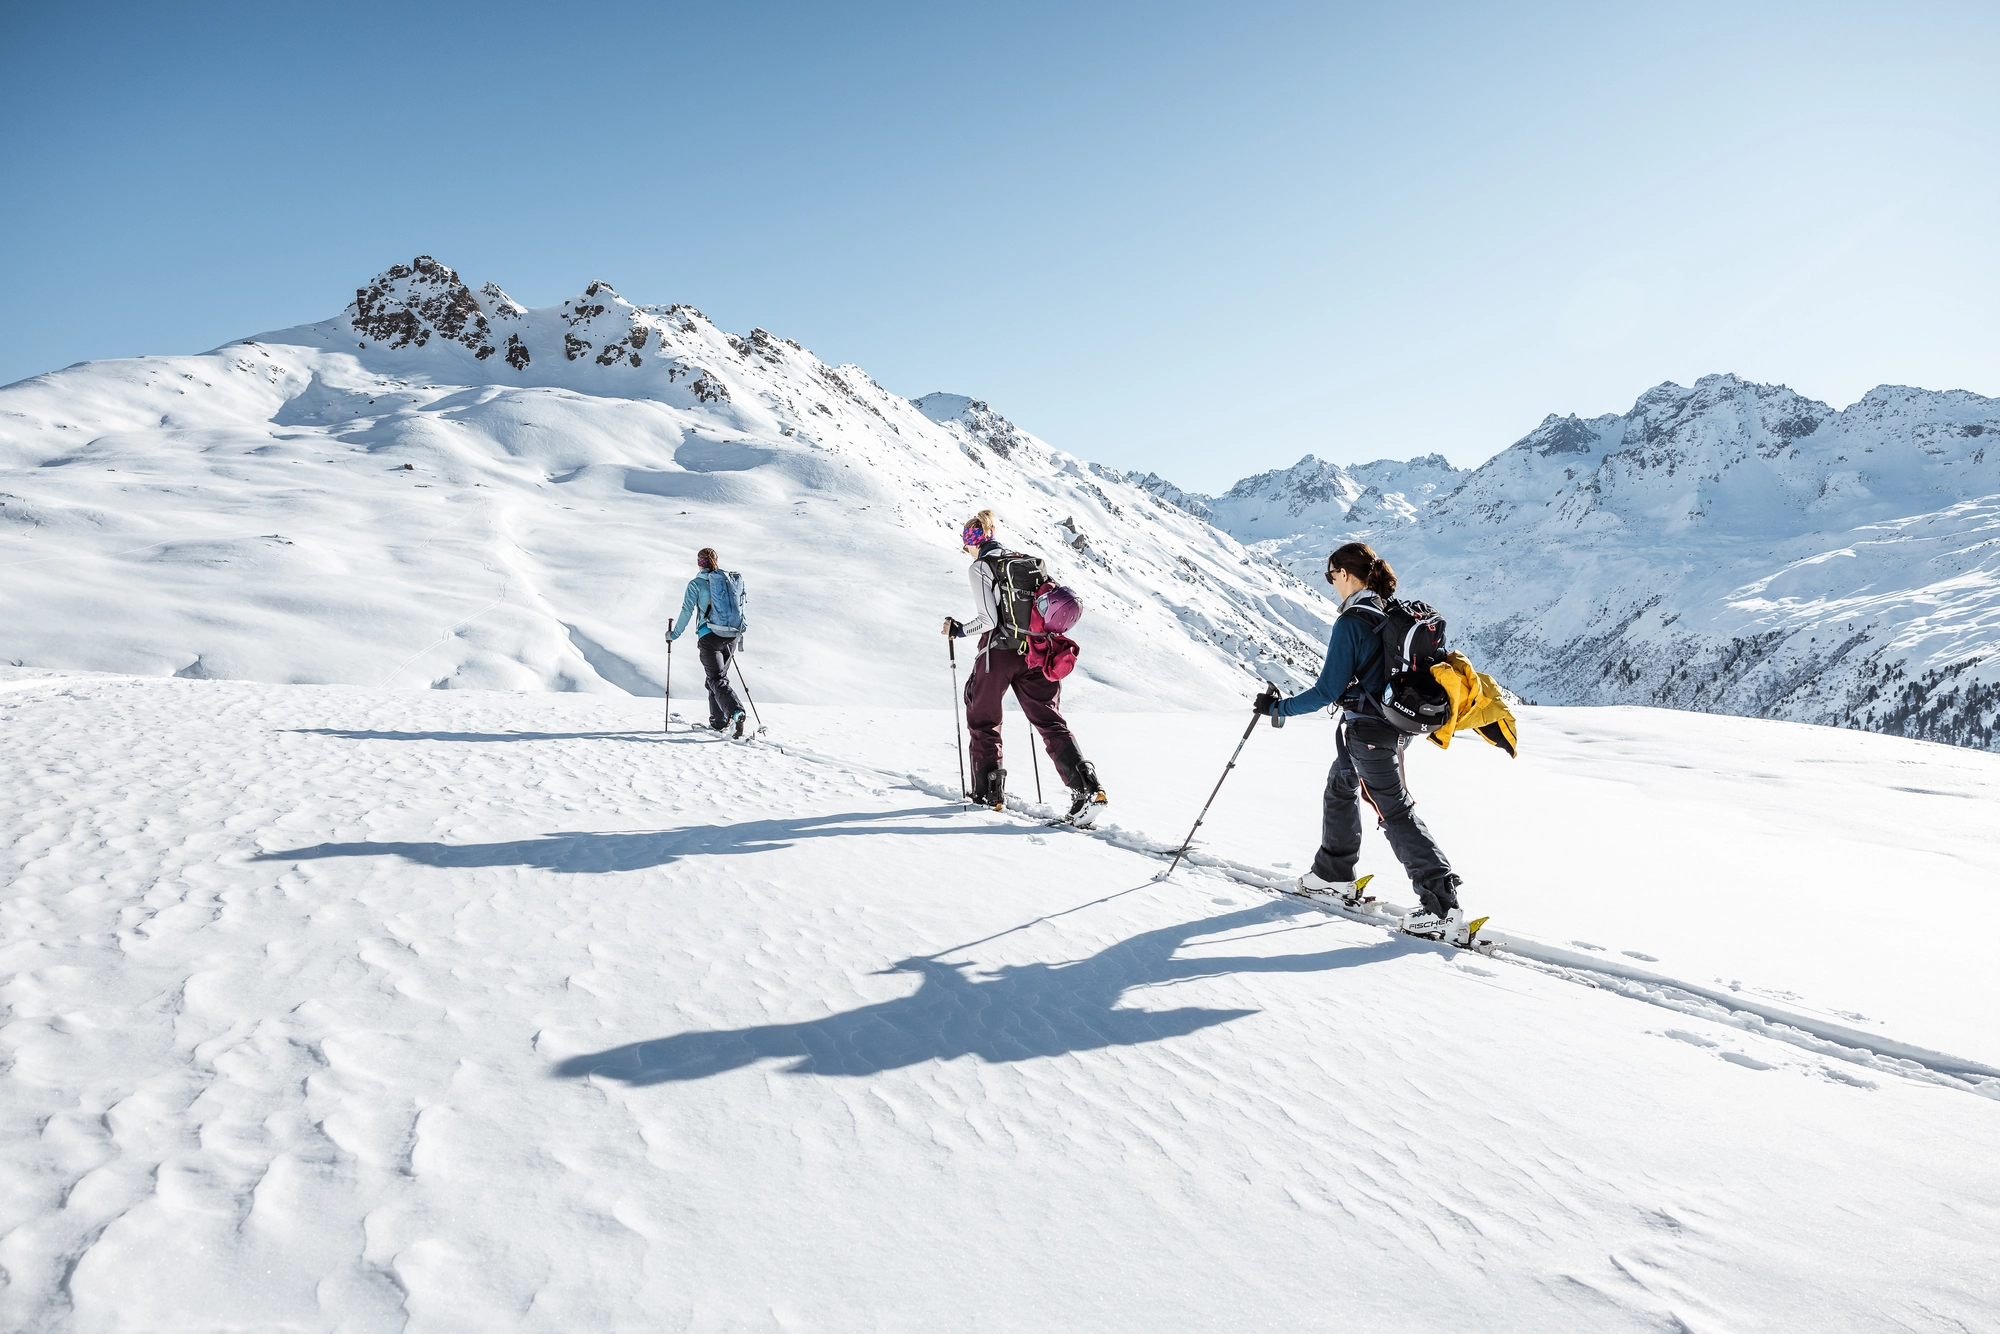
[(1014, 1013), (347, 734), (588, 852)]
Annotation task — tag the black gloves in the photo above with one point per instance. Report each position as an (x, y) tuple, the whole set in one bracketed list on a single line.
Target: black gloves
[(953, 628), (1263, 705)]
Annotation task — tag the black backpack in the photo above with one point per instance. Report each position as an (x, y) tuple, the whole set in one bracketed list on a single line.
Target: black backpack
[(1412, 639), (1017, 577)]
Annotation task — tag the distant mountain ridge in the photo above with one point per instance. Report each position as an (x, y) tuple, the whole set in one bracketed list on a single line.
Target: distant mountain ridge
[(1313, 493), (1730, 547)]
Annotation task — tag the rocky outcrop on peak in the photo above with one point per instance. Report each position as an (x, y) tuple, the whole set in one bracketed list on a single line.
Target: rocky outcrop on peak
[(409, 304), (424, 305), (600, 320), (1188, 502), (498, 305), (979, 423), (1562, 435)]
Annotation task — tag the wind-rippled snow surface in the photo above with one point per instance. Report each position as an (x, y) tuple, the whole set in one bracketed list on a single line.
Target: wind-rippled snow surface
[(334, 1008)]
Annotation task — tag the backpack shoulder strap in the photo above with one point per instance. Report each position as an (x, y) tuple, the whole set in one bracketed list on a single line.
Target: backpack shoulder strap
[(1381, 618), (1380, 613)]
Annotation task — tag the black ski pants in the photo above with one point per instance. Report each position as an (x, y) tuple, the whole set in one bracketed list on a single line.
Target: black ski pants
[(1368, 766), (716, 651), (997, 670)]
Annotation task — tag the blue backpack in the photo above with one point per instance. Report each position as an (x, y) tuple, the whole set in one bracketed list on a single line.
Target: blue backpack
[(725, 604)]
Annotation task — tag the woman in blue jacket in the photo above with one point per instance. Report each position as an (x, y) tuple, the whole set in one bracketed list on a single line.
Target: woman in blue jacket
[(725, 711), (1368, 755)]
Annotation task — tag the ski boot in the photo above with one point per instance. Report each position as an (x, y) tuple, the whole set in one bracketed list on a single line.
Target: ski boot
[(736, 724), (1350, 893), (1424, 923), (1086, 800), (989, 788)]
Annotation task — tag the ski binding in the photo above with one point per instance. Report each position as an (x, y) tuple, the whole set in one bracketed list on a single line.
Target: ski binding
[(1359, 898)]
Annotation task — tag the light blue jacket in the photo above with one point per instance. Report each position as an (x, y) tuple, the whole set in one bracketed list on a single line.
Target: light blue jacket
[(694, 607)]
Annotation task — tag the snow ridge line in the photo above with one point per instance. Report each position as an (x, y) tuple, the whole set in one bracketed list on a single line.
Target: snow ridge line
[(1882, 1053)]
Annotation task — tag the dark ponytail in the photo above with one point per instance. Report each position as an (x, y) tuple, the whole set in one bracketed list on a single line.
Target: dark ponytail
[(1359, 559)]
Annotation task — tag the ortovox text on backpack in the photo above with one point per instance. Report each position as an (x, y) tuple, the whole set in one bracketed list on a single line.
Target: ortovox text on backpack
[(1412, 643), (1411, 638)]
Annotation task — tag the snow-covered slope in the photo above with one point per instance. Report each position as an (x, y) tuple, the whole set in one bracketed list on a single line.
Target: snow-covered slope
[(352, 1009), (443, 487), (1732, 547)]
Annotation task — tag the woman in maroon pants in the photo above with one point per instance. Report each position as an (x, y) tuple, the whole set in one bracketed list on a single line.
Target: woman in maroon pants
[(997, 669)]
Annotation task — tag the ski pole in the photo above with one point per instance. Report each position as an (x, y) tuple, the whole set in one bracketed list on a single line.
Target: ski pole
[(746, 690), (1036, 759), (1211, 796), (668, 725), (957, 733)]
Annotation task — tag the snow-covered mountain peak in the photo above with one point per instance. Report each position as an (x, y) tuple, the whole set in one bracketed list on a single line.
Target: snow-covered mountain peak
[(1314, 495), (498, 304), (1310, 481), (1726, 408), (547, 464), (606, 328), (1401, 487), (1559, 435), (942, 407), (1191, 502), (975, 420)]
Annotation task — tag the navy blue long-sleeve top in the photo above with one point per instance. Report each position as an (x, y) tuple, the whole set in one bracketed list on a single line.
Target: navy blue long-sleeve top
[(1353, 655)]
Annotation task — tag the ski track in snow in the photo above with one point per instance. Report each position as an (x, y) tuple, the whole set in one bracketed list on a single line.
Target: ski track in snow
[(1814, 1033), (350, 1009), (1776, 1022)]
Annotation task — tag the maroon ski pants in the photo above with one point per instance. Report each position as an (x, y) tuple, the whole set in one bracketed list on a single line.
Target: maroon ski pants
[(997, 670)]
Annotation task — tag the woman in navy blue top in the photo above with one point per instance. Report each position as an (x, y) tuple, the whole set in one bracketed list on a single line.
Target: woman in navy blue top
[(1368, 753)]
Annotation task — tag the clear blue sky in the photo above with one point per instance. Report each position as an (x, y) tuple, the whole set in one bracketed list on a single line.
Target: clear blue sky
[(1200, 239)]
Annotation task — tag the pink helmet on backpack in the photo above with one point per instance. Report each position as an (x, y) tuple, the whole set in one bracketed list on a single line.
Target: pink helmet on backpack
[(1056, 609)]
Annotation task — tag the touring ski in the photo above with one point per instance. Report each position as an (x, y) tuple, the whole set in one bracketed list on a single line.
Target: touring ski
[(1361, 906)]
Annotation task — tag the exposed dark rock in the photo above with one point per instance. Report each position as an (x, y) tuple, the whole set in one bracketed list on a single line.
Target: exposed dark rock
[(409, 303)]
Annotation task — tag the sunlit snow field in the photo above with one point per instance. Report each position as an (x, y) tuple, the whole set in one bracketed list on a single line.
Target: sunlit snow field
[(337, 1008)]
